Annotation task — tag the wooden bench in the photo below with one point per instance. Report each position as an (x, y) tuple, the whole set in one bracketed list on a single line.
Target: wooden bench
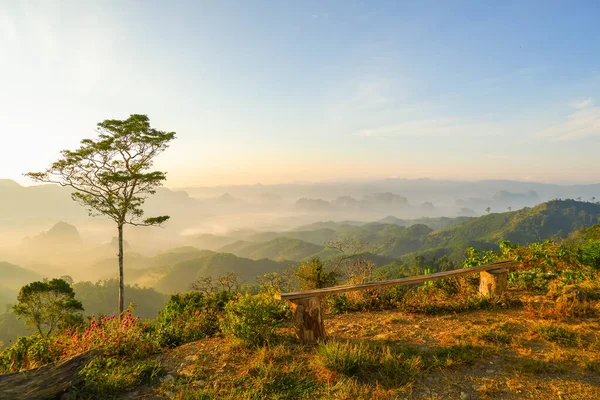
[(306, 306)]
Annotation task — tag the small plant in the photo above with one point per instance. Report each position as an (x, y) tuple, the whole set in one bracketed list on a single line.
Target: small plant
[(345, 358), (557, 334), (254, 318), (498, 334), (104, 376)]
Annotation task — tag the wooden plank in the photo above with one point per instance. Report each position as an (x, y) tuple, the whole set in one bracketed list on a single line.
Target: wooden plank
[(394, 282)]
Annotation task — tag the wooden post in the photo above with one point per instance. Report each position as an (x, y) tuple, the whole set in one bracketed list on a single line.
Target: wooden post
[(308, 320), (493, 282)]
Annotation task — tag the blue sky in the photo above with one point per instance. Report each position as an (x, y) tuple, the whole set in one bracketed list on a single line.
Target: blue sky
[(280, 91)]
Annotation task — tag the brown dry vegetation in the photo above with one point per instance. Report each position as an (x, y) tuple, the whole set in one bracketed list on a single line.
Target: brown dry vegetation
[(525, 351)]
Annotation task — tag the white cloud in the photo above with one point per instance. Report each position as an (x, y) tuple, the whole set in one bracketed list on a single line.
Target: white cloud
[(583, 122), (583, 103), (438, 127)]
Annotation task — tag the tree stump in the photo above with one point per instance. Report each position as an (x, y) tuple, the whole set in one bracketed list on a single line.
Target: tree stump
[(45, 382), (493, 282), (308, 319)]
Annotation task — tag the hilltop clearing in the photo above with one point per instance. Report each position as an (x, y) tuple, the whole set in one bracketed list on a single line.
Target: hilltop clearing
[(500, 354)]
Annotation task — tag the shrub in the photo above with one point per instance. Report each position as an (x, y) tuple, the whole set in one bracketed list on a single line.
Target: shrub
[(531, 280), (121, 335), (590, 254), (189, 317), (313, 275), (254, 318), (29, 352)]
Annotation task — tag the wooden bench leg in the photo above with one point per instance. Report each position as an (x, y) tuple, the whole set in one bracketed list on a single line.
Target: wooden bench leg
[(493, 282), (308, 320)]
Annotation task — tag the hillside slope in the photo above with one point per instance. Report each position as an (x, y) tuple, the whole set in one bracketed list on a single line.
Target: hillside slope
[(178, 277), (278, 249)]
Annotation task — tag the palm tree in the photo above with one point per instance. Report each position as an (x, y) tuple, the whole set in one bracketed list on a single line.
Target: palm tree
[(509, 208), (593, 199), (488, 210)]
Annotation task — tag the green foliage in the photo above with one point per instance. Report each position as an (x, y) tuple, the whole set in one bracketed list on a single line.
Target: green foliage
[(106, 376), (590, 254), (48, 306), (254, 319), (190, 316), (110, 174), (531, 280), (28, 352), (313, 275)]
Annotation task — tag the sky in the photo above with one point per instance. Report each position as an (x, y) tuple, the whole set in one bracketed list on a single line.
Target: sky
[(284, 91)]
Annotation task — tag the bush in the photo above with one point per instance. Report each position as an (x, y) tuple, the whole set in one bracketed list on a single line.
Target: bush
[(190, 316), (121, 335), (531, 280), (590, 254), (29, 352), (313, 275), (254, 318)]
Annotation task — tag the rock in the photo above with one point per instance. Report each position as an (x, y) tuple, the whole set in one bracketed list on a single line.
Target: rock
[(489, 371), (464, 396), (199, 383), (168, 379)]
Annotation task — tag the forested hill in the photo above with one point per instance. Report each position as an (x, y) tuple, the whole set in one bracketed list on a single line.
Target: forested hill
[(557, 218)]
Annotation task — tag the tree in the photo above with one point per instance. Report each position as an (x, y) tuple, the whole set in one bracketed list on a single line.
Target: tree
[(111, 174), (488, 210), (48, 305), (593, 199), (509, 209)]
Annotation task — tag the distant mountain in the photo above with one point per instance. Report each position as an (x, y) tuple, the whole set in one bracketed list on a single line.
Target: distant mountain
[(305, 204), (385, 199), (14, 276), (61, 235), (278, 249), (209, 241), (327, 225), (434, 223)]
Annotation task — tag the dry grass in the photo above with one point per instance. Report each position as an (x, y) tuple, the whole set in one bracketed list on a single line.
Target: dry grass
[(481, 354)]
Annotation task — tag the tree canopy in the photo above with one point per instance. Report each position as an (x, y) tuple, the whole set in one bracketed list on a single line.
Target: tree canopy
[(48, 305)]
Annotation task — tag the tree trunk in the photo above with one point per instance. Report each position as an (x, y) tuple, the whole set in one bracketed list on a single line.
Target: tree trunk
[(45, 382), (121, 280)]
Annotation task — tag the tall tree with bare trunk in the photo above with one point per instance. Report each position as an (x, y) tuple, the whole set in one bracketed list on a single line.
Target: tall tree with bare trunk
[(111, 174)]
